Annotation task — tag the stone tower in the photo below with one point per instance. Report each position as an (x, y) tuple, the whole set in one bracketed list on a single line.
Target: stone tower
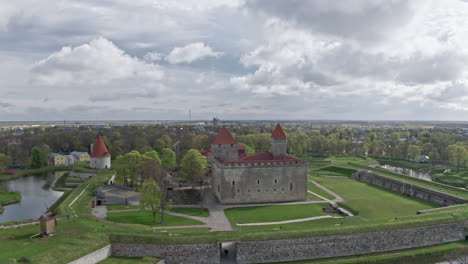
[(100, 158), (279, 143), (225, 147)]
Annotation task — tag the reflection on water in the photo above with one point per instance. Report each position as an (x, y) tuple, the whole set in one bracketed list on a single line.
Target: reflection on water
[(409, 172), (36, 196)]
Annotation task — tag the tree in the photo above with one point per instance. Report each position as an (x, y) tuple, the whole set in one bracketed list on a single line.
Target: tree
[(151, 197), (38, 159), (4, 162), (164, 142), (154, 155), (130, 164), (413, 151), (458, 155), (168, 159), (193, 169)]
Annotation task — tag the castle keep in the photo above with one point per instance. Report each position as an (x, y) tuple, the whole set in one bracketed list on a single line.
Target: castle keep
[(238, 177)]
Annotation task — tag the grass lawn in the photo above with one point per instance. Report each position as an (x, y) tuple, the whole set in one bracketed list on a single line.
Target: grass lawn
[(122, 207), (373, 203), (405, 164), (354, 159), (145, 217), (191, 211), (334, 171), (455, 178), (258, 214), (123, 260), (9, 198), (313, 188)]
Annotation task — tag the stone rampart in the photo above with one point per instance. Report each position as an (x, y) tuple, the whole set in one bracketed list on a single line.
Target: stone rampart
[(409, 189), (345, 245), (172, 254)]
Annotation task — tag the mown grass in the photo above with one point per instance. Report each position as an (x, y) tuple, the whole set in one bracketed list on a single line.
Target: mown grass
[(191, 211), (258, 214), (144, 217), (9, 198), (373, 203), (314, 188), (334, 171)]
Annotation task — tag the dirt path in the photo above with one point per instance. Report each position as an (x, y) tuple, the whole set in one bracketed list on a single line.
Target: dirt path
[(337, 199)]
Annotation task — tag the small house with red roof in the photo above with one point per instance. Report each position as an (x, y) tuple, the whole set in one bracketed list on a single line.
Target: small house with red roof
[(239, 177), (100, 157)]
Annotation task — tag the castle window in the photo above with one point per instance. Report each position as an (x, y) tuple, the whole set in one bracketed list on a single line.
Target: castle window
[(218, 187), (248, 190), (232, 145), (238, 190), (233, 183), (258, 190), (258, 181), (274, 190), (290, 186), (276, 181)]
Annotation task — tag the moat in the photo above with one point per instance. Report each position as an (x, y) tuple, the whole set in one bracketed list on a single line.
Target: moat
[(36, 196)]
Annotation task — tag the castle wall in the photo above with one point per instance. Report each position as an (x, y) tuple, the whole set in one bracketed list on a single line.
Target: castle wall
[(100, 163), (408, 189), (276, 182), (226, 152)]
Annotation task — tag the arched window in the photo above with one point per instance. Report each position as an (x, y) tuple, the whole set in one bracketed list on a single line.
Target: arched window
[(290, 186)]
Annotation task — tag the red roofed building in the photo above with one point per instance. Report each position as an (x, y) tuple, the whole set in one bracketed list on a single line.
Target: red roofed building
[(100, 157), (238, 177)]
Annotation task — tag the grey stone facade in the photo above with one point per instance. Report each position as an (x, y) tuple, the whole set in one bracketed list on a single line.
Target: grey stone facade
[(172, 254), (344, 245), (300, 248), (279, 147), (259, 182), (408, 189)]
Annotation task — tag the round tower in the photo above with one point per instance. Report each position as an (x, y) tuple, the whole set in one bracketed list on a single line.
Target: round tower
[(100, 158)]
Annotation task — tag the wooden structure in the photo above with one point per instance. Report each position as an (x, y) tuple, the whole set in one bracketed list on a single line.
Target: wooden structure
[(47, 222)]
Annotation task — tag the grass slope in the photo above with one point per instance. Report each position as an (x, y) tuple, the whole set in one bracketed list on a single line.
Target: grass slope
[(144, 217), (373, 203), (313, 188), (334, 171), (258, 214)]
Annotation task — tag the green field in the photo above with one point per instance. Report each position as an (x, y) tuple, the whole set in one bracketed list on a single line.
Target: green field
[(455, 178), (373, 203), (191, 211), (313, 188), (334, 171), (9, 198), (258, 214), (144, 217), (123, 260)]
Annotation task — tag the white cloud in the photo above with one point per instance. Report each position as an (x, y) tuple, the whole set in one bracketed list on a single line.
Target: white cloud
[(153, 56), (98, 62), (190, 53)]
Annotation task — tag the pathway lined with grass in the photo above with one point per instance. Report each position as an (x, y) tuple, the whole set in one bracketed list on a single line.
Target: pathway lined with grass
[(288, 221)]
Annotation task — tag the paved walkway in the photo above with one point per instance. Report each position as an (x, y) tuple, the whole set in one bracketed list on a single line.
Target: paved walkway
[(289, 221), (100, 212), (337, 199), (178, 227)]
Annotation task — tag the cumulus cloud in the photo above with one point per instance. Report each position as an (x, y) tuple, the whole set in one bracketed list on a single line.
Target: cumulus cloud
[(153, 56), (191, 52), (98, 62)]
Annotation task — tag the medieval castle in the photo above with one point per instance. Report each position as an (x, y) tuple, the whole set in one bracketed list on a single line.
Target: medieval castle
[(238, 177)]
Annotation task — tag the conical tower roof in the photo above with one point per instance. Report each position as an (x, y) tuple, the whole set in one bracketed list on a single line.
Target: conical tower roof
[(278, 133), (99, 149), (224, 137)]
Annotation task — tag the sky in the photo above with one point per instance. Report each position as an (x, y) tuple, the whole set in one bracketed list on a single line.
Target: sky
[(233, 59)]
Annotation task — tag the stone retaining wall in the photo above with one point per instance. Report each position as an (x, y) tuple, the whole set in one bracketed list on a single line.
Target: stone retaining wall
[(172, 254), (413, 190), (94, 257), (344, 245)]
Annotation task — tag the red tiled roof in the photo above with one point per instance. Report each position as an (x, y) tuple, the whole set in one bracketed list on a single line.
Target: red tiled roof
[(99, 149), (278, 133), (224, 137)]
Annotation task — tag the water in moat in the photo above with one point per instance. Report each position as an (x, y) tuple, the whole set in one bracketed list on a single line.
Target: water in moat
[(36, 196), (413, 173)]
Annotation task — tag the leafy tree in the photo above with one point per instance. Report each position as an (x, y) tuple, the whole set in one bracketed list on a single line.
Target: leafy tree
[(151, 197), (193, 165), (168, 159), (458, 155), (38, 159), (164, 142), (4, 162), (154, 155), (131, 164), (413, 151), (248, 149)]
